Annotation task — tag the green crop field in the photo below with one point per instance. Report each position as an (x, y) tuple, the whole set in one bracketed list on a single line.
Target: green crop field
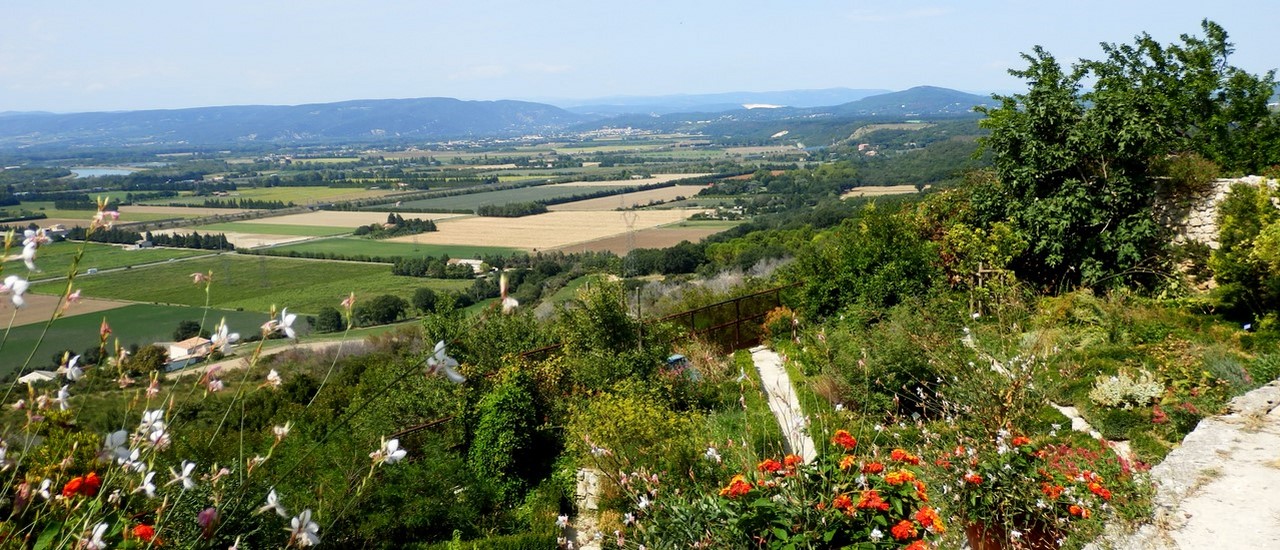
[(254, 283), (46, 208), (298, 195), (135, 324), (54, 259), (507, 196), (354, 246), (271, 229)]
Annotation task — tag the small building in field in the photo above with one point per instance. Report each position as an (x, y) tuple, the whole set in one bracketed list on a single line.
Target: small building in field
[(477, 266), (194, 346)]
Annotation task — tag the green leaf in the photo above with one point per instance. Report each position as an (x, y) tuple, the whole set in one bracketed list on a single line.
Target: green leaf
[(47, 537)]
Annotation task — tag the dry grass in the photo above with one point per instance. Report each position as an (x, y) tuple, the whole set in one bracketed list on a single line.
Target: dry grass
[(661, 237), (628, 200), (879, 191), (657, 178), (544, 231), (346, 219), (41, 306)]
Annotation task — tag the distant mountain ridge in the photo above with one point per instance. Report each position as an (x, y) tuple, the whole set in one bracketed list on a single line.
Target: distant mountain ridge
[(712, 103), (369, 120)]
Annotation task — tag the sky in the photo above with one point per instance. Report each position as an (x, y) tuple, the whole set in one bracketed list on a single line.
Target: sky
[(73, 55)]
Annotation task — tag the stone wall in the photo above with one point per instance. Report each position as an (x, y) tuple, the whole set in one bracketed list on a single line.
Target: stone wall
[(1195, 218)]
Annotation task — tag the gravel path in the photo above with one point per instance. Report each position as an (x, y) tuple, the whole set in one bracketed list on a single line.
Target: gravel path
[(783, 402), (1221, 487)]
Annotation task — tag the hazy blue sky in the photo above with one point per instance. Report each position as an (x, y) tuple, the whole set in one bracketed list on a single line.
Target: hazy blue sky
[(63, 55)]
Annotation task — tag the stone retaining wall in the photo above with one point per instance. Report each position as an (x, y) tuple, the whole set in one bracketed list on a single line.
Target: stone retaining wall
[(1195, 218)]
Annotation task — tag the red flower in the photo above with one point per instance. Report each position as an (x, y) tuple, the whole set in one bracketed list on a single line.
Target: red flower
[(973, 478), (871, 501), (737, 487), (873, 468), (769, 465), (899, 477), (1021, 440), (917, 545), (920, 492), (790, 461), (1050, 490), (929, 518), (144, 532), (842, 502), (904, 530), (903, 456), (844, 439), (91, 484), (847, 461), (72, 488), (1098, 489)]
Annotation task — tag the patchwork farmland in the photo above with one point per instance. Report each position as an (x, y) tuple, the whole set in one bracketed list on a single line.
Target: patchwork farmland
[(547, 231)]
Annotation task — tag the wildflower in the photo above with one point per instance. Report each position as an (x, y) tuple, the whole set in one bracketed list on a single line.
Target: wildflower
[(104, 330), (72, 372), (390, 453), (904, 530), (281, 431), (222, 339), (899, 477), (843, 439), (303, 531), (286, 326), (114, 445), (154, 388), (95, 541), (917, 545), (875, 535), (1098, 489), (929, 518), (440, 362), (839, 407), (197, 278), (185, 476), (44, 489), (509, 304), (871, 500), (87, 485), (18, 286), (873, 468), (1021, 440), (208, 521), (1015, 534), (29, 257), (104, 218), (273, 379), (72, 299), (842, 502), (642, 502), (790, 461), (147, 486), (144, 532), (712, 454), (124, 381), (273, 504), (629, 519), (737, 487), (21, 404), (152, 420), (62, 398), (847, 461), (562, 521), (214, 385), (973, 478), (901, 455), (349, 302), (769, 465)]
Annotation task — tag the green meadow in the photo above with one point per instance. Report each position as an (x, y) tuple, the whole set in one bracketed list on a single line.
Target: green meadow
[(355, 246)]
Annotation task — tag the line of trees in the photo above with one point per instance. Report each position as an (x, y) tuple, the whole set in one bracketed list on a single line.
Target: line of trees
[(396, 226), (116, 235), (436, 268), (248, 204)]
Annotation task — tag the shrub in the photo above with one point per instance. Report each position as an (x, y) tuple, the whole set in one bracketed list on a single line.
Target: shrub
[(1123, 390)]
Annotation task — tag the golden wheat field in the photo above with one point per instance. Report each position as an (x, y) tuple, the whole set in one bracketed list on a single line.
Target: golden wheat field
[(657, 178), (346, 219), (545, 231), (628, 200)]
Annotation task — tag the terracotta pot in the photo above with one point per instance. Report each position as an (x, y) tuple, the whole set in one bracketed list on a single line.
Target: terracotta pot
[(987, 537)]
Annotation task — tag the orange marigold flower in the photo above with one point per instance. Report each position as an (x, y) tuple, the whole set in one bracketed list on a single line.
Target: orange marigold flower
[(1021, 440), (973, 478), (844, 439), (847, 461), (842, 502), (920, 492), (1075, 510), (904, 530), (871, 501), (790, 461), (873, 468), (1098, 489), (899, 477), (144, 532), (917, 545), (769, 465), (901, 455), (737, 487)]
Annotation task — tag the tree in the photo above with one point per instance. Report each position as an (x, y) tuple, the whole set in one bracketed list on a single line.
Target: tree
[(146, 360), (1078, 171), (329, 320), (424, 300), (187, 329), (381, 310)]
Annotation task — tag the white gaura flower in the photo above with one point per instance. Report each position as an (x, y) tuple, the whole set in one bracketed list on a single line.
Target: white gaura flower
[(62, 398), (72, 371), (116, 445), (273, 505), (29, 257), (390, 453), (185, 476), (222, 339), (95, 541), (281, 431), (44, 489), (509, 304), (147, 487), (286, 323), (302, 531), (18, 286), (440, 362), (273, 379)]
